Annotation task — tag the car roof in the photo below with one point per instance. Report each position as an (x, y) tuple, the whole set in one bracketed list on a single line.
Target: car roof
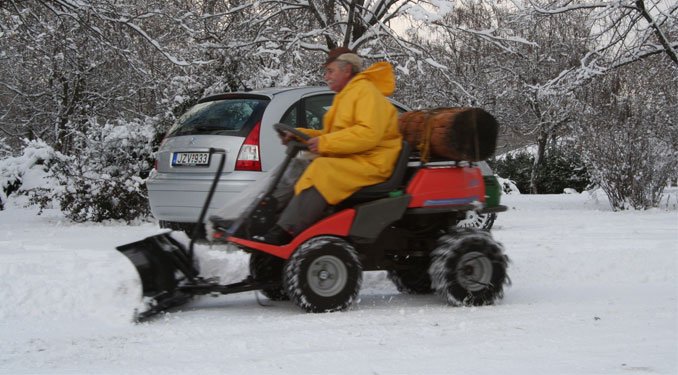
[(269, 92)]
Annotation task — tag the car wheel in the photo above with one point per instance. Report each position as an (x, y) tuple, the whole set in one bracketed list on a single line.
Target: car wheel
[(475, 220)]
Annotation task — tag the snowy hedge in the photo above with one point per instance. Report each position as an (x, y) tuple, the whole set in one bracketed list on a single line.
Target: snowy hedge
[(104, 180), (26, 172), (562, 169)]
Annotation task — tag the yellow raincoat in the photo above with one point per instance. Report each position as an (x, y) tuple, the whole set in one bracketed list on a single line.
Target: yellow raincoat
[(360, 140)]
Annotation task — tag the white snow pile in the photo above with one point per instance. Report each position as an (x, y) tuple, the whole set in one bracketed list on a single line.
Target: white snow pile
[(26, 171), (593, 292)]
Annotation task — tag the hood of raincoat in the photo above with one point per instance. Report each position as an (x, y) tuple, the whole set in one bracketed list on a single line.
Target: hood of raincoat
[(381, 75)]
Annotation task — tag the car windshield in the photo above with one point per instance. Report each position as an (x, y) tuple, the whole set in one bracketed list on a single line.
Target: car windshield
[(226, 117)]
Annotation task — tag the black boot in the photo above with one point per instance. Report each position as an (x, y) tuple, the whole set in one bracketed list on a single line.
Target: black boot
[(220, 224), (276, 236), (220, 228)]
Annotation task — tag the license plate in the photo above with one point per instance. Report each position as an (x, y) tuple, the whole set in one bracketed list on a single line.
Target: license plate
[(190, 159)]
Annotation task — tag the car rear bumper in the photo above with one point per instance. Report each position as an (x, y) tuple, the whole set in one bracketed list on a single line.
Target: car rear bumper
[(182, 199)]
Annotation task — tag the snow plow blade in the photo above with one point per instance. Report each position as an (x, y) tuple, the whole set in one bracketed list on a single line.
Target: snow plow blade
[(162, 264)]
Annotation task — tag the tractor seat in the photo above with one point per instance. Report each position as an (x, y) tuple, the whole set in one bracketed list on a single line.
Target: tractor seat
[(393, 183)]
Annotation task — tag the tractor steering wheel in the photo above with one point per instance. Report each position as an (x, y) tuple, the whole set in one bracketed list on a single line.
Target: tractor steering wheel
[(283, 128)]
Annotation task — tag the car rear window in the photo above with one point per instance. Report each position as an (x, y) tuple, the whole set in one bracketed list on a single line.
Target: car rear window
[(232, 116)]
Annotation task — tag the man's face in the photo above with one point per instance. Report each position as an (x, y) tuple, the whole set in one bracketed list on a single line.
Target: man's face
[(337, 75)]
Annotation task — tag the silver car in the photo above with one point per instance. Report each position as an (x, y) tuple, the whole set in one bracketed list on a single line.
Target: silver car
[(242, 124)]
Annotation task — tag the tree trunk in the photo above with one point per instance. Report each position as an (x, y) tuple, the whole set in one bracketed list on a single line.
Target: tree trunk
[(538, 160)]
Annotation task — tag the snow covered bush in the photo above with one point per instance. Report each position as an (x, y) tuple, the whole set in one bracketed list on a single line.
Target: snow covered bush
[(508, 186), (561, 169), (105, 180), (5, 152), (629, 134), (515, 167), (633, 167), (24, 173)]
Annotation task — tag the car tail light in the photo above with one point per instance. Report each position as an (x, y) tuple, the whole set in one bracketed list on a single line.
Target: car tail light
[(248, 157), (162, 143)]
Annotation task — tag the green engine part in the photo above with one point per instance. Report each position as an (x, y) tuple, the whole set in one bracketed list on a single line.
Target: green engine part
[(492, 191)]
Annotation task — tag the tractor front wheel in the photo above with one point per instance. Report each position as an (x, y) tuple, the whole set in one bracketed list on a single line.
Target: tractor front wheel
[(323, 275)]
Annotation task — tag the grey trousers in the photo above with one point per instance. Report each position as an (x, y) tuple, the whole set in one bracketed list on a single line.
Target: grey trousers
[(304, 210), (300, 211)]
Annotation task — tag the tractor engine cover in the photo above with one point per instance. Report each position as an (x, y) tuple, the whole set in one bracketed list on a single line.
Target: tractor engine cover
[(446, 186)]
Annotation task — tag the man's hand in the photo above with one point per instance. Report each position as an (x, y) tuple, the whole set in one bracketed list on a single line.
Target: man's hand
[(286, 137), (313, 144)]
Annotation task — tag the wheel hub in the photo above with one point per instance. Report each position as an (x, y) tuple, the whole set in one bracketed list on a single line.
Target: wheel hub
[(327, 276), (474, 271)]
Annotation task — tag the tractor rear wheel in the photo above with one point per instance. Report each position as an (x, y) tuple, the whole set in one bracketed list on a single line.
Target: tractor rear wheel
[(469, 268), (323, 275), (266, 268)]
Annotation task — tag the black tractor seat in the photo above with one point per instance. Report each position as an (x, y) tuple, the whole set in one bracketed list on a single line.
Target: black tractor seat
[(393, 183)]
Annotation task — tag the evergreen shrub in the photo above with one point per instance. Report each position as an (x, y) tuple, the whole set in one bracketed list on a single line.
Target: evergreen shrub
[(561, 169)]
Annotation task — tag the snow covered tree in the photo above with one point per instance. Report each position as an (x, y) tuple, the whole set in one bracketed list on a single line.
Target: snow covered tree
[(283, 42), (625, 111), (75, 67), (503, 58), (630, 134), (74, 61), (622, 32), (538, 109)]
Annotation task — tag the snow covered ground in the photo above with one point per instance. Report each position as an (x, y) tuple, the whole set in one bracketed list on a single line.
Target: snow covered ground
[(594, 292)]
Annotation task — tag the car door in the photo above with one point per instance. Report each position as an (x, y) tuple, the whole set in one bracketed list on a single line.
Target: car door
[(308, 111)]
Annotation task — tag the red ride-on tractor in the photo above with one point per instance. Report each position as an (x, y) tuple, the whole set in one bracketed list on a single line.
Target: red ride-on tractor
[(405, 226)]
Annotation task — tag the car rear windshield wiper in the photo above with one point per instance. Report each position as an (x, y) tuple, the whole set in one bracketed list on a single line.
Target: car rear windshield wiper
[(208, 127)]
